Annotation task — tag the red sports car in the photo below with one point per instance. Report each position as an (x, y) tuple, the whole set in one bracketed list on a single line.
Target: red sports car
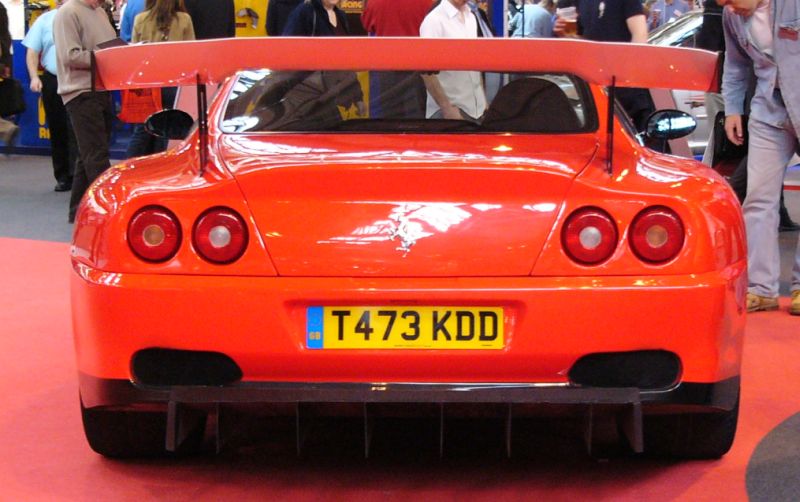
[(316, 240)]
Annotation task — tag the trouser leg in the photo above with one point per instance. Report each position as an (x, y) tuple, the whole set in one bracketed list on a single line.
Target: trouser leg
[(714, 104), (796, 268), (91, 116), (738, 179), (57, 122), (770, 149), (72, 145), (141, 142)]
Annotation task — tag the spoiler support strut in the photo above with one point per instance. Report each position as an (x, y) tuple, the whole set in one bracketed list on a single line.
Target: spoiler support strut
[(610, 126), (202, 123)]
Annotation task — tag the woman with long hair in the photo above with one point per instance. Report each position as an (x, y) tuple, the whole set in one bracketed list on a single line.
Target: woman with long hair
[(161, 21)]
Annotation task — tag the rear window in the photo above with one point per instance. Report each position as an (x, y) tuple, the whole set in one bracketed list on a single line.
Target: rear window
[(397, 102)]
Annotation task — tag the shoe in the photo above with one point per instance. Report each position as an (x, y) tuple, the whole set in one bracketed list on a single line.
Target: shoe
[(63, 186), (788, 226), (794, 307), (756, 303)]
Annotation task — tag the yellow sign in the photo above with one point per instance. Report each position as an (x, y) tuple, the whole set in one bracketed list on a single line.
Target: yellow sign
[(44, 132), (352, 6), (251, 18)]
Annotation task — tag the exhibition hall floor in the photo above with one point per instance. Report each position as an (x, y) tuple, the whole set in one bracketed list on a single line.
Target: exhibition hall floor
[(45, 456)]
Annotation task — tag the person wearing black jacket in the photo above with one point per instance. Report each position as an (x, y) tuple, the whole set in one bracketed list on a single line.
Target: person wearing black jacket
[(278, 12), (317, 18), (212, 18)]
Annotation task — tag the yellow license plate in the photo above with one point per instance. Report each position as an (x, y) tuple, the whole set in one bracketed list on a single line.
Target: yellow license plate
[(404, 328)]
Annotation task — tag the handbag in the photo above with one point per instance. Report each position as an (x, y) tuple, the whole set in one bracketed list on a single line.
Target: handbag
[(139, 104), (12, 98)]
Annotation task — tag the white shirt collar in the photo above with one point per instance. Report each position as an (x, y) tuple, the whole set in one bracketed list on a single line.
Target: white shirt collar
[(451, 11)]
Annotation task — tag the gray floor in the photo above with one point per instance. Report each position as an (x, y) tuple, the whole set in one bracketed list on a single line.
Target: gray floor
[(32, 210), (30, 207)]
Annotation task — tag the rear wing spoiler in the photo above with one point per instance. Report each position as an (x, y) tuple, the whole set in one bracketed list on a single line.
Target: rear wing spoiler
[(211, 61)]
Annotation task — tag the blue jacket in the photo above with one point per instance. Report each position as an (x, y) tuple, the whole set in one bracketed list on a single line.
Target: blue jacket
[(781, 70), (133, 8)]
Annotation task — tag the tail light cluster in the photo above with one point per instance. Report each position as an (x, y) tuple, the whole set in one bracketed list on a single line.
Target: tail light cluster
[(590, 235), (154, 234), (219, 235)]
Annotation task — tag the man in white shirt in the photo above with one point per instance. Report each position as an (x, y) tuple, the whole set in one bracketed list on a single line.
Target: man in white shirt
[(453, 94)]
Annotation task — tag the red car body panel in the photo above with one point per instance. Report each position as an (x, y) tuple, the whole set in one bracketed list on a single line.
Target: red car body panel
[(489, 210)]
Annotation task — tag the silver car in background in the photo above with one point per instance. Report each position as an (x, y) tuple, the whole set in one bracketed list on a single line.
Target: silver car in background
[(683, 33)]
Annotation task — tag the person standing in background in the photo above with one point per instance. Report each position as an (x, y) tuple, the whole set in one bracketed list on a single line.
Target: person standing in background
[(711, 38), (614, 21), (63, 147), (665, 11), (15, 18), (79, 26), (8, 130), (533, 21), (389, 18), (400, 94), (162, 21), (454, 95), (762, 36), (212, 18), (132, 9), (278, 12), (317, 18)]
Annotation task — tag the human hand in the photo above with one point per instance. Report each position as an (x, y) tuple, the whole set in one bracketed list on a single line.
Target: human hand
[(36, 84), (559, 27), (566, 24), (733, 129), (451, 112)]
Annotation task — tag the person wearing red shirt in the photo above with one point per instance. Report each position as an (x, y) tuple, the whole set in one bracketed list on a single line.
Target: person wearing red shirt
[(400, 94), (390, 18)]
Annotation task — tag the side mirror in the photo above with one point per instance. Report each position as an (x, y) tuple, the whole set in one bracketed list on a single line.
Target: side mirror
[(670, 124), (170, 124)]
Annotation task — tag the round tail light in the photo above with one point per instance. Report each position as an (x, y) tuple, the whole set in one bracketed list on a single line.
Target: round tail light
[(589, 236), (220, 235), (657, 235), (154, 234)]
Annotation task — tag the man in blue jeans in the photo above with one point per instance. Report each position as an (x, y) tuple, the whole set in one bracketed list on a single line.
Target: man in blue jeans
[(763, 34)]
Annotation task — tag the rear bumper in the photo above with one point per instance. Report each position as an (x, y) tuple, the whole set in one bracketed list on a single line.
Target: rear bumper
[(685, 397), (550, 323)]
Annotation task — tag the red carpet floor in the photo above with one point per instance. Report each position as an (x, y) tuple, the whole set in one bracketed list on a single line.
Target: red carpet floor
[(45, 456)]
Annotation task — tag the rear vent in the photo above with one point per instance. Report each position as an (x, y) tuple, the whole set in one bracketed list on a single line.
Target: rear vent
[(165, 367), (645, 369)]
